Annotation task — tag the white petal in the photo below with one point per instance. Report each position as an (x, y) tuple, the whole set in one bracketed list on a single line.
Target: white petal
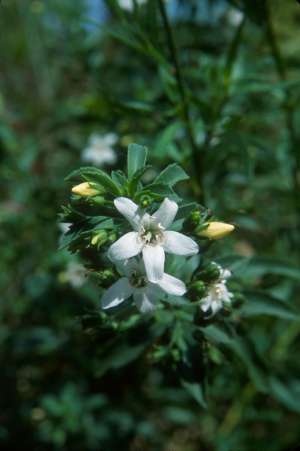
[(110, 139), (154, 261), (179, 244), (117, 293), (166, 213), (206, 303), (172, 285), (129, 210), (144, 300), (126, 247)]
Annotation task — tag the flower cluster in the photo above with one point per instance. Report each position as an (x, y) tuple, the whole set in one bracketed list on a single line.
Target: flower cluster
[(145, 277), (124, 227), (218, 295)]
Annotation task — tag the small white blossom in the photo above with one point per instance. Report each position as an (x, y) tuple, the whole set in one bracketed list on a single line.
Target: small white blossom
[(218, 294), (235, 17), (129, 4), (135, 283), (75, 274), (150, 237), (99, 150)]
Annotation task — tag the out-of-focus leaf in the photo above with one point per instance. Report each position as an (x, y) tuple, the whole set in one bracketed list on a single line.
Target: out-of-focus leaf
[(260, 303)]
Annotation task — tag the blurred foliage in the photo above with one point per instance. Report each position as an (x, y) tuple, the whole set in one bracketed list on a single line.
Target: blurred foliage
[(220, 96)]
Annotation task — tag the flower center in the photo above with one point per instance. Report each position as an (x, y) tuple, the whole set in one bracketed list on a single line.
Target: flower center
[(137, 280), (151, 232)]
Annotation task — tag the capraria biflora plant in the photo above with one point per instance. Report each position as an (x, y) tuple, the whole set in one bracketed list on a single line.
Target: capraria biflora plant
[(137, 227), (147, 249)]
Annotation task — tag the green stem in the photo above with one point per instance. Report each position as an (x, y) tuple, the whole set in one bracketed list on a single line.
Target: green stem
[(288, 108), (197, 157)]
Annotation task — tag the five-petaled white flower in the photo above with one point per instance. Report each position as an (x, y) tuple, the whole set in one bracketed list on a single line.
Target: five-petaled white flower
[(218, 294), (151, 237), (99, 150), (135, 283)]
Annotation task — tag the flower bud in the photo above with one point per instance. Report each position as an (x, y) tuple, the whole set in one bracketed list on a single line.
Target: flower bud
[(112, 237), (99, 238), (106, 277), (215, 230), (198, 289), (193, 220), (210, 273), (85, 189), (145, 201), (99, 200)]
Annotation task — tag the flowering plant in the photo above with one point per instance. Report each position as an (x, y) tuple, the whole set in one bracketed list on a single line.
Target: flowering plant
[(143, 243)]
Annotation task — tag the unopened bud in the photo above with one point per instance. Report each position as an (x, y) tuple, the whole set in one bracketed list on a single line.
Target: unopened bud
[(195, 217), (210, 272), (85, 189), (106, 277), (198, 289), (215, 230), (112, 237), (145, 201), (99, 238), (99, 200)]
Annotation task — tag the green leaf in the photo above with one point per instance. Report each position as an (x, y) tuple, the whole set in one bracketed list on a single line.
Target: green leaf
[(260, 303), (160, 189), (135, 181), (118, 177), (91, 174), (285, 395), (196, 391), (171, 175), (137, 156), (240, 348)]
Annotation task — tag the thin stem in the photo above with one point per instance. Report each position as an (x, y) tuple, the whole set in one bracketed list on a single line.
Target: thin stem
[(288, 108), (197, 157)]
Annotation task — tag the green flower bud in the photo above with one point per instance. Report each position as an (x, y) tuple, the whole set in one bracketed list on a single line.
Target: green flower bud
[(198, 289), (99, 200), (195, 217), (100, 237), (210, 272), (193, 220), (112, 237), (238, 299), (145, 201), (106, 277)]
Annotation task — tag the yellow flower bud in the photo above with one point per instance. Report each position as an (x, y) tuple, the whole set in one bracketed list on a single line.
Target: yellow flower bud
[(84, 189), (216, 230)]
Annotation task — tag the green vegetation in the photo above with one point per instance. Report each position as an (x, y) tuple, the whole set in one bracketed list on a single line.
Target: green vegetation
[(209, 90)]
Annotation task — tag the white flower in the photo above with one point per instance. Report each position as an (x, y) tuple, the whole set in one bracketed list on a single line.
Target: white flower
[(129, 4), (150, 237), (75, 274), (218, 294), (64, 227), (135, 283), (100, 149), (235, 17)]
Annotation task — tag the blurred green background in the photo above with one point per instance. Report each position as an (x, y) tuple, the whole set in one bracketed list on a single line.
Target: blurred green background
[(73, 69)]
